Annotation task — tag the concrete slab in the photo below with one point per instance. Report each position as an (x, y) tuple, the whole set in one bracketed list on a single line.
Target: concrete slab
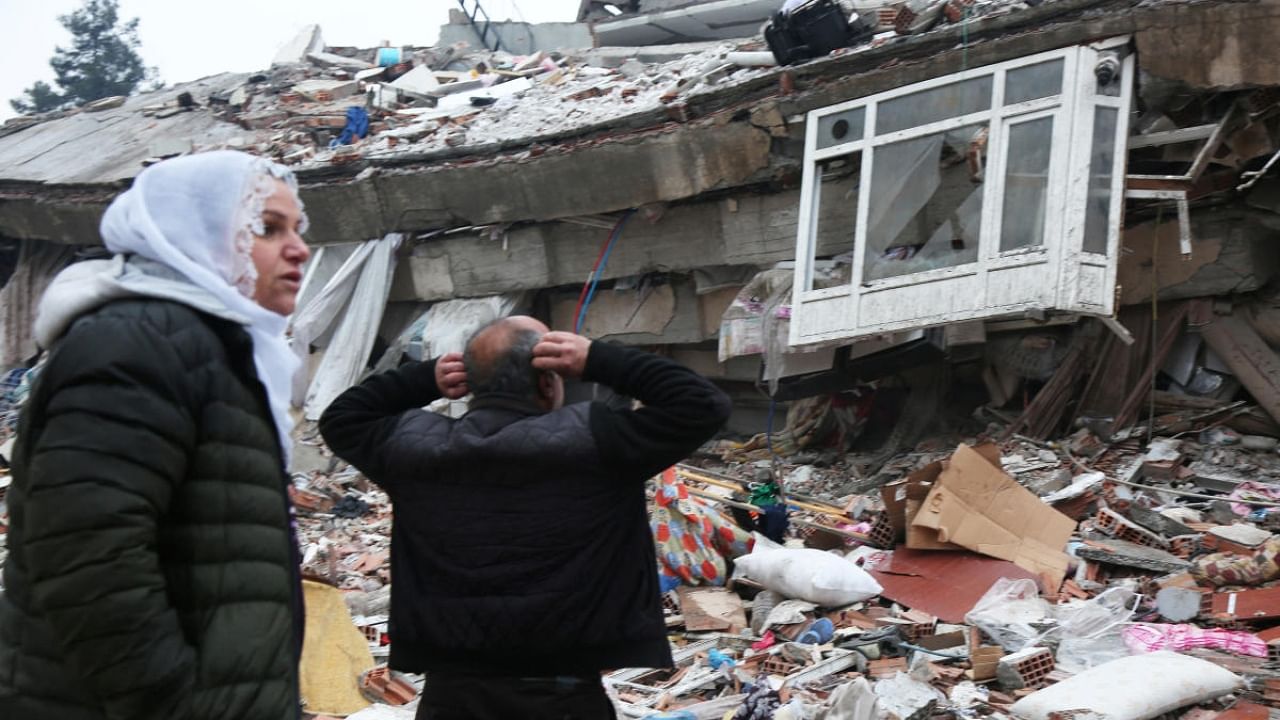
[(341, 61), (1127, 554), (614, 56), (307, 41), (464, 100), (421, 79), (109, 146), (1224, 46), (710, 21), (326, 90)]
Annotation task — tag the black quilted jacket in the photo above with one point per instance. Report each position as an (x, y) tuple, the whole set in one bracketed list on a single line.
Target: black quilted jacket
[(521, 543), (151, 570)]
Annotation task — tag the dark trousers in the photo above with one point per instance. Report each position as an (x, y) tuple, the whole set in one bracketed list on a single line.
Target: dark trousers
[(473, 697)]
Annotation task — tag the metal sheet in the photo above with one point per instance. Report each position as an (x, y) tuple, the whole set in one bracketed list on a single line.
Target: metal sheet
[(945, 584)]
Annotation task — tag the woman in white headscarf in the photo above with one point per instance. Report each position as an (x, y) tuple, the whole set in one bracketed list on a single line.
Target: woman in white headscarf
[(152, 563)]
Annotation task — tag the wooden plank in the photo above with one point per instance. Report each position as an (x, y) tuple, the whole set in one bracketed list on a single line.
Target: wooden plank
[(1171, 327), (1118, 366), (1252, 361), (1211, 146), (1170, 137), (796, 500), (1043, 416)]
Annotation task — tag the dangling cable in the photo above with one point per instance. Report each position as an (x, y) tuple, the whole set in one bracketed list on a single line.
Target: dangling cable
[(589, 289)]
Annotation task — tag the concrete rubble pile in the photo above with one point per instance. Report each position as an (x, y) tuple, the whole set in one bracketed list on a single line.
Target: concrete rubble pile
[(966, 578), (321, 105), (345, 104)]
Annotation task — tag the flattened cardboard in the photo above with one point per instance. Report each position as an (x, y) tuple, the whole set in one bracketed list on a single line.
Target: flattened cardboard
[(903, 499), (974, 504)]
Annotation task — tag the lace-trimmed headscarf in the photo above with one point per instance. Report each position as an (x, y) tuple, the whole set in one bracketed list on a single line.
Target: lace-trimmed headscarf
[(198, 215)]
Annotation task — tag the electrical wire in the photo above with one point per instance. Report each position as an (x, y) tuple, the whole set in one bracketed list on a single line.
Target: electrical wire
[(593, 280), (586, 285), (1201, 496)]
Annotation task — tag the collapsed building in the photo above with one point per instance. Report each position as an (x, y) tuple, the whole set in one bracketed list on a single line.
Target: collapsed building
[(984, 212), (1018, 221)]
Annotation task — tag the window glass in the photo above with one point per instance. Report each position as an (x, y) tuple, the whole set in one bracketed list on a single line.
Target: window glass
[(835, 213), (1033, 82), (1101, 160), (1026, 184), (841, 128), (940, 103), (925, 208)]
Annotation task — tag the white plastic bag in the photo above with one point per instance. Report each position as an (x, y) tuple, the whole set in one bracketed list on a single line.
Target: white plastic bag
[(1077, 654), (1100, 615), (853, 701), (819, 577), (1089, 631), (1133, 688), (901, 697), (1007, 612)]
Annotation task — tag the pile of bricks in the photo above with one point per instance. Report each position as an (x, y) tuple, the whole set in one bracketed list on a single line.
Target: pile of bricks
[(778, 665), (886, 667), (1026, 668), (1184, 546), (881, 534), (1112, 523)]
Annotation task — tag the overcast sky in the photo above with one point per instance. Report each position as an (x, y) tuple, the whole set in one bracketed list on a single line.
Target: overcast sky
[(188, 39)]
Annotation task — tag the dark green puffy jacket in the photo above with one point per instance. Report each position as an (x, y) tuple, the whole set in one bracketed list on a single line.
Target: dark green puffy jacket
[(151, 569)]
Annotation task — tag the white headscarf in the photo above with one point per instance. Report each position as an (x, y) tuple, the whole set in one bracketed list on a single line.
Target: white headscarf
[(197, 215)]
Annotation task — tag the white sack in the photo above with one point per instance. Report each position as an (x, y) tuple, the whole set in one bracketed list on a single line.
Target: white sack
[(819, 577), (1133, 688)]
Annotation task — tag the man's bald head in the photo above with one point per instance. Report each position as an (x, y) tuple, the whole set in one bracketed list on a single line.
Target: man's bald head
[(499, 357)]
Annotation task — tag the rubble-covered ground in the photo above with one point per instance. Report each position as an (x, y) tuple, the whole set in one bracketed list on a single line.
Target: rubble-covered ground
[(1116, 550)]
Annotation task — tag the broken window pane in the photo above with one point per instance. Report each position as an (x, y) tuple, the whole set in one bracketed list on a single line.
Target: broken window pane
[(1033, 82), (835, 212), (1101, 160), (922, 108), (841, 128), (1026, 184), (926, 203)]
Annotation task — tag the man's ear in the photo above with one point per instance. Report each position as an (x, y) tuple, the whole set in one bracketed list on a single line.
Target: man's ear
[(547, 389)]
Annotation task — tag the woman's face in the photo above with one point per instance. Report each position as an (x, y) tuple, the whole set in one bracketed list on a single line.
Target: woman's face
[(279, 254)]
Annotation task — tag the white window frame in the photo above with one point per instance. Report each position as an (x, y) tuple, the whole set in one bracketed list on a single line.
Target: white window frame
[(1072, 111)]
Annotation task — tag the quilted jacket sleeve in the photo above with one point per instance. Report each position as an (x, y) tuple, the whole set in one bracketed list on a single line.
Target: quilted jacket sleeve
[(681, 410), (115, 440), (358, 425)]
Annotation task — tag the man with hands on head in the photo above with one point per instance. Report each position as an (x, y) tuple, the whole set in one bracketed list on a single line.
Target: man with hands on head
[(522, 558)]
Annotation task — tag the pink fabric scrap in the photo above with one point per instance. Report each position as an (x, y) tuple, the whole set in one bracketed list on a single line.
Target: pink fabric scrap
[(1150, 637), (1250, 490)]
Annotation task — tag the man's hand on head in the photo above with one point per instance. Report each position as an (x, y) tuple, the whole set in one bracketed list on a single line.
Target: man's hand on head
[(451, 376), (562, 353)]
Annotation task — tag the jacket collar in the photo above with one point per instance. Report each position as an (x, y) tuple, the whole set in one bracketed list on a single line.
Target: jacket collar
[(503, 401)]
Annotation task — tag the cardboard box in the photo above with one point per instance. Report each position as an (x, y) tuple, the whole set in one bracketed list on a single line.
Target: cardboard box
[(903, 500), (974, 504)]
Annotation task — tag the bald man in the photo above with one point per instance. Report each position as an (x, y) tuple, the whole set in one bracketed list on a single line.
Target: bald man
[(521, 555)]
